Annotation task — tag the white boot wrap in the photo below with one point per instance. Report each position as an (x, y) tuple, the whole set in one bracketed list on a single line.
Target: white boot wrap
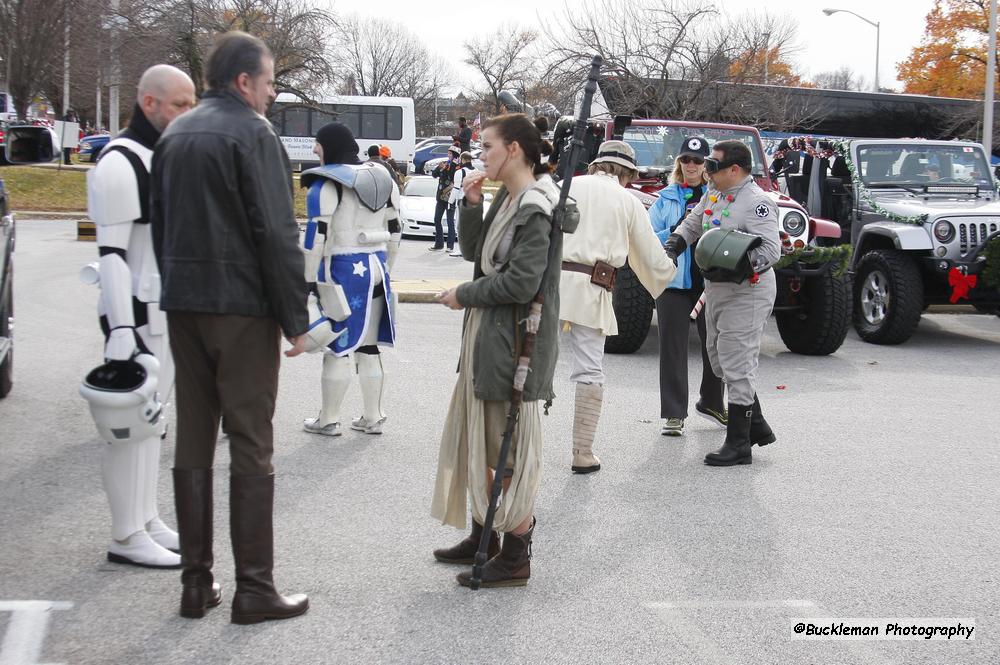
[(586, 414)]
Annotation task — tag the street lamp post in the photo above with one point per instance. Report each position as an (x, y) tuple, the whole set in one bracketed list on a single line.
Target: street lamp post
[(991, 64), (830, 12)]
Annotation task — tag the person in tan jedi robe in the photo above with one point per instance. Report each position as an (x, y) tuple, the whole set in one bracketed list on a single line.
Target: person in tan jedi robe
[(613, 227)]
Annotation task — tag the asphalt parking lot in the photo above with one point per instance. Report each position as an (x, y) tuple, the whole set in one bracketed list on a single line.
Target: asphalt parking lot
[(878, 500)]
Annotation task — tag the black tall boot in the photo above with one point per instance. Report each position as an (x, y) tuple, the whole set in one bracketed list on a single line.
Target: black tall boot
[(737, 447), (760, 431), (251, 512), (512, 567), (193, 500), (465, 551)]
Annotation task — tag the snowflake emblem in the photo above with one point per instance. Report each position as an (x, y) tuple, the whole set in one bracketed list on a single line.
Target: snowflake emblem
[(662, 131), (357, 302)]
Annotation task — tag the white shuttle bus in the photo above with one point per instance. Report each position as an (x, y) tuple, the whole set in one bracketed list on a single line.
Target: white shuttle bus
[(386, 121)]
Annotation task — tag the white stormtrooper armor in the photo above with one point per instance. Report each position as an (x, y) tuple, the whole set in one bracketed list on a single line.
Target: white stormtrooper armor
[(350, 244), (133, 321)]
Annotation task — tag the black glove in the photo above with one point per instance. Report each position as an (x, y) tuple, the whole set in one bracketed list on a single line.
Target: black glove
[(675, 246)]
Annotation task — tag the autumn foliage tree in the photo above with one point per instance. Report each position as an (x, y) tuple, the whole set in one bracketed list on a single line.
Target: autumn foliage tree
[(951, 58), (764, 66)]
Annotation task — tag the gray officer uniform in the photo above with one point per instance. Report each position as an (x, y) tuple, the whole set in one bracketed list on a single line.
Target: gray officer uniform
[(736, 314)]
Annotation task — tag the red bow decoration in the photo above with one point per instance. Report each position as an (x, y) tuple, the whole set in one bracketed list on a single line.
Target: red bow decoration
[(960, 284)]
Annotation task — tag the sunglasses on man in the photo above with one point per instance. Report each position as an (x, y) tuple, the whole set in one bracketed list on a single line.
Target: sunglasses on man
[(714, 165), (691, 159)]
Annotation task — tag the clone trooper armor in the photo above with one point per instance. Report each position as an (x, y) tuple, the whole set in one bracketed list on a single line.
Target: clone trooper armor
[(117, 196), (350, 243)]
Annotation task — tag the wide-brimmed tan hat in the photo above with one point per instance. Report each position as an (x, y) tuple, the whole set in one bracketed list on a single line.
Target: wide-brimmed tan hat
[(616, 152)]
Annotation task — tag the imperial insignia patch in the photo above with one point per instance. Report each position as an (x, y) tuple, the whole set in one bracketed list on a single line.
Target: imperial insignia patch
[(762, 210)]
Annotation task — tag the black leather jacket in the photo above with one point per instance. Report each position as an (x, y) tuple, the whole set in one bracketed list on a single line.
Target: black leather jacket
[(223, 222)]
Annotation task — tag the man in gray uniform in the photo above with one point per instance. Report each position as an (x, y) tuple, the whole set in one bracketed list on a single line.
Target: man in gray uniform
[(737, 306)]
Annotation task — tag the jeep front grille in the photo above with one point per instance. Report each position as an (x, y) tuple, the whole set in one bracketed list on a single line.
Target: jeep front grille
[(973, 234)]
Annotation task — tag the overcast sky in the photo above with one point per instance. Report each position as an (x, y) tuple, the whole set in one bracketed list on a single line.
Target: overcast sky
[(827, 42)]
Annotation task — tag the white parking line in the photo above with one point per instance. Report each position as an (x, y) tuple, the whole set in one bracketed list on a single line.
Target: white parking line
[(729, 604), (22, 644)]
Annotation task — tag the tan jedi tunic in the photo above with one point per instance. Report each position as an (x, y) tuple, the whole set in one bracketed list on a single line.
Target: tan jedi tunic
[(613, 227)]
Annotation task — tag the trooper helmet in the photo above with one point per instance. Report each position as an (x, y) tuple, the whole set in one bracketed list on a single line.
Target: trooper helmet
[(123, 399), (725, 249)]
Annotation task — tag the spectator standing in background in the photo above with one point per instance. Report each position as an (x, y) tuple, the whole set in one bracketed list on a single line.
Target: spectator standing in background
[(464, 135)]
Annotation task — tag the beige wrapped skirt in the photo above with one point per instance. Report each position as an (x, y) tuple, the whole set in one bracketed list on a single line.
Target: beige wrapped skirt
[(470, 445)]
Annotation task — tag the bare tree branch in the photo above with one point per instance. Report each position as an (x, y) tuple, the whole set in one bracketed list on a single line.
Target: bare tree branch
[(502, 60)]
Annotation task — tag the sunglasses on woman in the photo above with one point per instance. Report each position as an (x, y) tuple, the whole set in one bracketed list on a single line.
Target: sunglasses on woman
[(689, 159)]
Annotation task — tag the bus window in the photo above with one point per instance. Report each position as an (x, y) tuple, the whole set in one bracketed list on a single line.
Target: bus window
[(373, 122), (320, 118), (296, 122), (394, 123), (350, 116)]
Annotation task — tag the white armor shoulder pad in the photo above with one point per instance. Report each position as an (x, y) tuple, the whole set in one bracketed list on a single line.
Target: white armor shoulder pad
[(112, 190)]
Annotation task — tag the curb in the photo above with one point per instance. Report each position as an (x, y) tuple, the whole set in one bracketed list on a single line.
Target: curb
[(64, 167)]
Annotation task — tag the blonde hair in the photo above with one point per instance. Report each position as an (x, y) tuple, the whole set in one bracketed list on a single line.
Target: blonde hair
[(678, 175), (617, 170)]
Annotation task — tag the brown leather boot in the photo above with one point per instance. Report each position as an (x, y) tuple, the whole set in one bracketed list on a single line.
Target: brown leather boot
[(512, 567), (251, 510), (465, 551), (193, 500)]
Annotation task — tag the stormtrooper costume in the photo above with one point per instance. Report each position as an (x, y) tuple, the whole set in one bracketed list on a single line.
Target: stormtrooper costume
[(117, 197), (350, 244)]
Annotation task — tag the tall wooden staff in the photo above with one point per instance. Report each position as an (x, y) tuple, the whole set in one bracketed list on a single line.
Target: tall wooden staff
[(534, 320)]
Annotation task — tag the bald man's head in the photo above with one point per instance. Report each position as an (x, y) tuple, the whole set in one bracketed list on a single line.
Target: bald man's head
[(165, 92)]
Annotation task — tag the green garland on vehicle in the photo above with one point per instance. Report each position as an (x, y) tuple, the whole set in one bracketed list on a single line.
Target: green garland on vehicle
[(818, 255), (843, 149), (991, 273)]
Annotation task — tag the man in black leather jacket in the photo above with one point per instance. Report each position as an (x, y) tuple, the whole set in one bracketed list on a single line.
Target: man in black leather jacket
[(226, 242)]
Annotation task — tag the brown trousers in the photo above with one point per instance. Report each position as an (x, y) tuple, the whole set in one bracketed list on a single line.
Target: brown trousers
[(227, 366)]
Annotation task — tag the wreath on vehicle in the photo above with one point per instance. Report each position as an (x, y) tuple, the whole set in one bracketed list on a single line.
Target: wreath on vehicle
[(832, 149)]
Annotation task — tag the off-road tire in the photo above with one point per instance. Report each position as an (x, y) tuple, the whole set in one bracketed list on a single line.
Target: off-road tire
[(634, 311), (819, 328), (905, 302)]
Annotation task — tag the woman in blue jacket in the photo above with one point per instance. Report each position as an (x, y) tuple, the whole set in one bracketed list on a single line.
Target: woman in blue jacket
[(673, 308)]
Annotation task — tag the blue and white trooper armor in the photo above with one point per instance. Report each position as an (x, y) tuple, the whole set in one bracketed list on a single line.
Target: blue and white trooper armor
[(133, 323), (350, 244)]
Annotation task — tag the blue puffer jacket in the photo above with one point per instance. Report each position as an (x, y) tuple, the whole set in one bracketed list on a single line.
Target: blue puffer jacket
[(664, 215)]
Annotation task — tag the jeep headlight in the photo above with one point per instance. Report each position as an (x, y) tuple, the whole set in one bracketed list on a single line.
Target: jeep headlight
[(794, 223), (944, 231)]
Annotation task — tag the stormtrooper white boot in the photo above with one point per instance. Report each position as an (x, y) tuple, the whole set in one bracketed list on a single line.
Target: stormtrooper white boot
[(334, 383), (161, 534), (124, 472), (371, 376)]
